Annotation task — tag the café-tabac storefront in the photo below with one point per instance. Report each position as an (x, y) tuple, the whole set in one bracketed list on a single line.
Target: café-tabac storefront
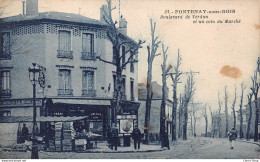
[(99, 112)]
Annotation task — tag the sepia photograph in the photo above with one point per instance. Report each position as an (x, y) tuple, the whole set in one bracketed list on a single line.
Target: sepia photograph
[(130, 79)]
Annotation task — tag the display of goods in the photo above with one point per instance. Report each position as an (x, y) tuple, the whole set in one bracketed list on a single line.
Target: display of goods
[(80, 141), (68, 125), (67, 148), (58, 125), (80, 148)]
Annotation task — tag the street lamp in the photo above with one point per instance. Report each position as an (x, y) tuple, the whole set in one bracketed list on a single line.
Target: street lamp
[(34, 76)]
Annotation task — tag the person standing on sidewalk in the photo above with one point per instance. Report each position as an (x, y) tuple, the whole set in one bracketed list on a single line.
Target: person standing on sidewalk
[(136, 135), (165, 140), (232, 135), (114, 135)]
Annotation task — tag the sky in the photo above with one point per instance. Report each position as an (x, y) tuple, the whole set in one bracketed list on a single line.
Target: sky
[(222, 53)]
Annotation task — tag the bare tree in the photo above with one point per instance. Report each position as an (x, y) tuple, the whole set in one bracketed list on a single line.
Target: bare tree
[(219, 115), (212, 123), (249, 101), (175, 78), (152, 53), (226, 110), (188, 94), (255, 89), (233, 108), (241, 133), (165, 71), (180, 117), (206, 121), (117, 39)]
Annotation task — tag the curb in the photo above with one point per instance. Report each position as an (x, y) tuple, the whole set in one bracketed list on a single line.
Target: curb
[(250, 142)]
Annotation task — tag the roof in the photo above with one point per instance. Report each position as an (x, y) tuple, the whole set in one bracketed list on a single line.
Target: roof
[(17, 119), (60, 16)]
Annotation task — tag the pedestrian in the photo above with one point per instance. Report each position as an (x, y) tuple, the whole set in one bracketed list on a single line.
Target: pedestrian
[(165, 140), (232, 135), (136, 135), (25, 132), (114, 136), (108, 136)]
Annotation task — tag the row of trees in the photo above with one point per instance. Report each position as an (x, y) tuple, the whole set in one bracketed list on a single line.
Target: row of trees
[(216, 116)]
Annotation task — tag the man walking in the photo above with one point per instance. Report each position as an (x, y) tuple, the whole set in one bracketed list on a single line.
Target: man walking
[(25, 132), (114, 135), (232, 135), (136, 135), (165, 140)]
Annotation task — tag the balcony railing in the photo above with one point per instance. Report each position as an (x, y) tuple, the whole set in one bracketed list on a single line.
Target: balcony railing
[(65, 92), (5, 93), (65, 54), (5, 55), (123, 96), (88, 55), (89, 93)]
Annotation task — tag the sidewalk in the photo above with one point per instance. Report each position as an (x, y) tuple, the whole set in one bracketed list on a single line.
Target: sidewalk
[(103, 148)]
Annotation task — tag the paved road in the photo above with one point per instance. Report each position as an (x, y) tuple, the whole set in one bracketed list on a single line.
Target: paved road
[(198, 148)]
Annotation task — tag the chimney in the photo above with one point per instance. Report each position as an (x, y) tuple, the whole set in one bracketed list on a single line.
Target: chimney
[(123, 25), (31, 7), (23, 7), (103, 12)]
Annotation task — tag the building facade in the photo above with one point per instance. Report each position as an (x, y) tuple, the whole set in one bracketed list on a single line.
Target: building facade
[(77, 84)]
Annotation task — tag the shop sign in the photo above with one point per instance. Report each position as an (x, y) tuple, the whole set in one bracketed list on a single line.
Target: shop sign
[(96, 116)]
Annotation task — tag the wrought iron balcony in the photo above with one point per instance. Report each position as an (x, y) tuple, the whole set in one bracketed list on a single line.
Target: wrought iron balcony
[(65, 92), (89, 93), (5, 55), (88, 56), (123, 96), (5, 93), (65, 54)]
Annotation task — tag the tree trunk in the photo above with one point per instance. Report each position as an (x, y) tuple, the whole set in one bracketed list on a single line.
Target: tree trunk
[(241, 133), (256, 119), (250, 117), (174, 114), (148, 103), (233, 109), (226, 111)]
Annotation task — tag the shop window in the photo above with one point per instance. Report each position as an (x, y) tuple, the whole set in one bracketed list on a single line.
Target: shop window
[(88, 84), (65, 83), (5, 82), (65, 45), (5, 46), (88, 47)]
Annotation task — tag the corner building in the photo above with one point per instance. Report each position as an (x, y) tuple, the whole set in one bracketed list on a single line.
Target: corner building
[(77, 84)]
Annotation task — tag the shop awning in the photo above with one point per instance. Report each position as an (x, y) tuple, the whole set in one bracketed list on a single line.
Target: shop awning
[(82, 101), (17, 119)]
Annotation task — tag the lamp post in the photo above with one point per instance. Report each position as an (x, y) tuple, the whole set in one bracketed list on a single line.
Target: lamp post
[(33, 76)]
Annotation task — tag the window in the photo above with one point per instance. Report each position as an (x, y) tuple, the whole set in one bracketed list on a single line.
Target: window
[(132, 89), (5, 84), (132, 68), (123, 54), (65, 83), (123, 89), (88, 87), (64, 45), (5, 46), (88, 46)]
